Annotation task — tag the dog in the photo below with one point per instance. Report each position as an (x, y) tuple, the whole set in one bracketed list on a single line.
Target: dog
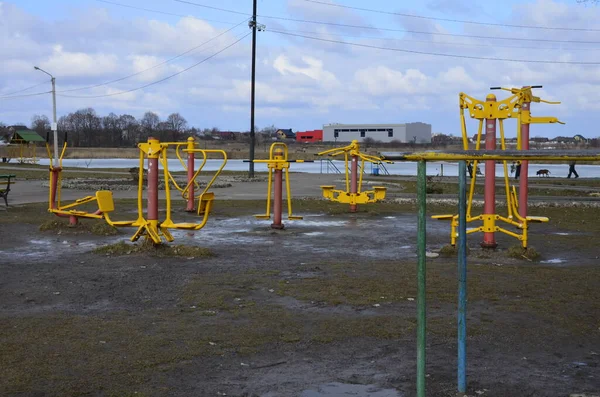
[(543, 173)]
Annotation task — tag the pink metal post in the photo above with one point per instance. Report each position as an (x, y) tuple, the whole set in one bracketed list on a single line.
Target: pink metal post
[(354, 180), (489, 197), (190, 176), (53, 187), (54, 174), (153, 186), (523, 180), (278, 200)]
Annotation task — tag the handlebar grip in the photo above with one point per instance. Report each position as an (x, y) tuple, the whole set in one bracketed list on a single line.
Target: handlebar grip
[(47, 136), (495, 88), (536, 86)]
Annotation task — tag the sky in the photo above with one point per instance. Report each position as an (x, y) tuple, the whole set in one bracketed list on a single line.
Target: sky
[(301, 83)]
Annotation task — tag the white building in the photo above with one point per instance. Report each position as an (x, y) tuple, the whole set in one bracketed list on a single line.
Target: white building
[(405, 133)]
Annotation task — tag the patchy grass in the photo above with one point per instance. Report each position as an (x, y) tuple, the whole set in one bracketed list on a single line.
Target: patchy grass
[(234, 314), (122, 248), (103, 229), (448, 250), (518, 252), (96, 227)]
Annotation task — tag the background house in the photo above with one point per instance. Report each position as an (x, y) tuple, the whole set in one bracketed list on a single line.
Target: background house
[(285, 134)]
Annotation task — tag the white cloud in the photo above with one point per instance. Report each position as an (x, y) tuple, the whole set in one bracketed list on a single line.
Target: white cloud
[(65, 63), (381, 80), (313, 69)]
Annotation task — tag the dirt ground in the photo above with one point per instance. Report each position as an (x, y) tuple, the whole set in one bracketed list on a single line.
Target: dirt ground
[(323, 308)]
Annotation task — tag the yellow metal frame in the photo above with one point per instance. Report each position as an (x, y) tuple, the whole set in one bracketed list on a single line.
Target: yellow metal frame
[(278, 160), (345, 196), (511, 107), (151, 230)]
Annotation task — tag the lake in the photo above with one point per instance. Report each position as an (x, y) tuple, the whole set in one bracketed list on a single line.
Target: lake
[(399, 168)]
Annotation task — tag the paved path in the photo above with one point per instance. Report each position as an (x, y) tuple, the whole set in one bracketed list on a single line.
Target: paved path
[(66, 170), (303, 185)]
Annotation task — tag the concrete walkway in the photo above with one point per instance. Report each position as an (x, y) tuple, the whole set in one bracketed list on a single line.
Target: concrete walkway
[(303, 185)]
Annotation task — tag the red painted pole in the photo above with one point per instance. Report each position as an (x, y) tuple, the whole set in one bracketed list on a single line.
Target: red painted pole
[(278, 200), (354, 180), (53, 187), (523, 178), (190, 176), (489, 197), (54, 174), (152, 210)]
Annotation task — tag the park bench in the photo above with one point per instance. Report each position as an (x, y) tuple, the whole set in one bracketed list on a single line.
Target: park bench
[(5, 186)]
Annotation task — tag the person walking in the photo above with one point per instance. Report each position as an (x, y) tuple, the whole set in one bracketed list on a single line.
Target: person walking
[(518, 170), (572, 170)]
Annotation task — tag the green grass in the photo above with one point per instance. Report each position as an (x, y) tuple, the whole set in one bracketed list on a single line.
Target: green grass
[(122, 248), (518, 252), (96, 227)]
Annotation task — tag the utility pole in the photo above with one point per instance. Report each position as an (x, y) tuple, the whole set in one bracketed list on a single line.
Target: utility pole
[(54, 124), (252, 90)]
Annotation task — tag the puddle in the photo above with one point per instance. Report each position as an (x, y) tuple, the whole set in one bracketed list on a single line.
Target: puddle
[(553, 261), (40, 242), (41, 248), (336, 389), (314, 234), (563, 234)]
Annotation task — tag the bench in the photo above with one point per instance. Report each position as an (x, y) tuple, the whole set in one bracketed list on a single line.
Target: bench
[(5, 187)]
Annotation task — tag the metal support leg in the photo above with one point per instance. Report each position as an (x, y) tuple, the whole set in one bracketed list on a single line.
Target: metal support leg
[(462, 277), (421, 276)]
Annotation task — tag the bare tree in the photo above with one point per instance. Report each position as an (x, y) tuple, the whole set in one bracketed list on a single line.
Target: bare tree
[(111, 130), (40, 124), (130, 129), (177, 122), (368, 141), (149, 124)]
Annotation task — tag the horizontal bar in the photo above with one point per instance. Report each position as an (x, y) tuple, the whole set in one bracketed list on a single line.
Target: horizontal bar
[(279, 161), (480, 155)]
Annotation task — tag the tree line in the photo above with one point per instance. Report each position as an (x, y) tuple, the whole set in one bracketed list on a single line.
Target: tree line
[(85, 128)]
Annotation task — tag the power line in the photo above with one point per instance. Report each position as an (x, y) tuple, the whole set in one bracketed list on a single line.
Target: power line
[(437, 54), (451, 20), (163, 79), (160, 12), (431, 33), (25, 89), (442, 42), (342, 25), (154, 66), (213, 8), (25, 95)]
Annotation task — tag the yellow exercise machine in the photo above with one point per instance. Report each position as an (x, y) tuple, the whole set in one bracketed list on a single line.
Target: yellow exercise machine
[(353, 194), (516, 106), (277, 163), (147, 226)]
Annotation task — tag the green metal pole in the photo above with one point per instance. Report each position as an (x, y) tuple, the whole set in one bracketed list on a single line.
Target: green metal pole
[(462, 278), (421, 273)]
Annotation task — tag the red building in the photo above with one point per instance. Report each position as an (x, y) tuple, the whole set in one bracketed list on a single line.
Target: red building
[(309, 136)]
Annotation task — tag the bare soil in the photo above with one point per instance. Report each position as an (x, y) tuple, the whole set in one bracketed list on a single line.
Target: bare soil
[(281, 313)]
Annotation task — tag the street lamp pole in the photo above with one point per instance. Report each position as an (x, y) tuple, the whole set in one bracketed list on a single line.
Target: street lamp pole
[(54, 123)]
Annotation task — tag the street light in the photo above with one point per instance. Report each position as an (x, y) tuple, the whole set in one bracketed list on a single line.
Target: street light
[(54, 124)]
